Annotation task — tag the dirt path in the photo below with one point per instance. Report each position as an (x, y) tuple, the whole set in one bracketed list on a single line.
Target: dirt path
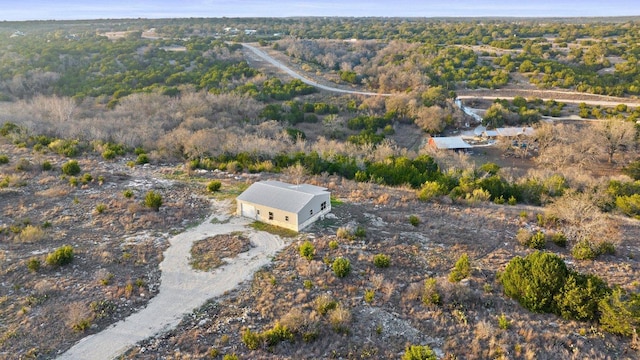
[(266, 57), (181, 290)]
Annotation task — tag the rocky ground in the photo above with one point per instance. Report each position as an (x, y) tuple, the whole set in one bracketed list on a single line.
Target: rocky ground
[(383, 312), (376, 311), (117, 242)]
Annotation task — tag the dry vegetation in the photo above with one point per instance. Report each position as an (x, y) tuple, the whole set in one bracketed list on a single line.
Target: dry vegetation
[(117, 244), (376, 312), (299, 307)]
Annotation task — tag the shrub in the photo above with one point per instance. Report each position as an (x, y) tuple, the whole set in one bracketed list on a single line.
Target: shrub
[(4, 159), (534, 280), (344, 233), (583, 251), (307, 250), (512, 200), (619, 316), (277, 334), (579, 297), (214, 186), (340, 318), (61, 256), (324, 303), (73, 181), (381, 260), (100, 208), (308, 284), (360, 232), (128, 193), (333, 244), (153, 200), (419, 352), (414, 220), (559, 239), (31, 234), (341, 267), (86, 178), (369, 295), (108, 154), (251, 340), (23, 165), (142, 159), (71, 168), (33, 264), (430, 190), (46, 166), (537, 241), (461, 270), (230, 357), (503, 322), (430, 293)]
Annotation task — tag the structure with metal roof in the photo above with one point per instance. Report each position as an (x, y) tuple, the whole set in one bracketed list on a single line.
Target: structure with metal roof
[(286, 205)]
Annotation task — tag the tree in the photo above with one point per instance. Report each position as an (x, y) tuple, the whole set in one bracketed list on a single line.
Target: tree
[(614, 136), (295, 172), (461, 270), (535, 280)]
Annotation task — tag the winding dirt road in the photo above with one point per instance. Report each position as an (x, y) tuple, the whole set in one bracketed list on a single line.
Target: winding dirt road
[(182, 289), (266, 57), (562, 96)]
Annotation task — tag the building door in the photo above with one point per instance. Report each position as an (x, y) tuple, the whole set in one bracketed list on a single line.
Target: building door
[(249, 211)]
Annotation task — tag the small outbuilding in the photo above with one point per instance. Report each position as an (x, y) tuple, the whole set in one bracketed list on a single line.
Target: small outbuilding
[(289, 206), (449, 143)]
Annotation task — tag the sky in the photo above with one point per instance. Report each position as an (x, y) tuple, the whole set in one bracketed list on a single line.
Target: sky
[(18, 10)]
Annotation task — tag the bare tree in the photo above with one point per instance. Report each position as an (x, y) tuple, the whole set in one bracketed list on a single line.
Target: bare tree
[(295, 173), (615, 135), (582, 219)]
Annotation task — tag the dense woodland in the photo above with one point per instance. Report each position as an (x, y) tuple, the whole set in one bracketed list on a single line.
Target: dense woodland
[(182, 91)]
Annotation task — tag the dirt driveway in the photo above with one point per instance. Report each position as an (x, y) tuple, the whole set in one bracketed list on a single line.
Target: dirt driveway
[(182, 289)]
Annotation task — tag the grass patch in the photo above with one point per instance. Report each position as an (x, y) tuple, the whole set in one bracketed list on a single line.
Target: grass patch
[(335, 201), (272, 229)]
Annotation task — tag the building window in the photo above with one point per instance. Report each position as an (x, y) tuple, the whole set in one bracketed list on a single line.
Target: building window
[(286, 218), (311, 212), (270, 215), (323, 206)]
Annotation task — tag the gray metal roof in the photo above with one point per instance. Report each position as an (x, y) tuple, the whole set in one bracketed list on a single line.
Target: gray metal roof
[(451, 142), (280, 195)]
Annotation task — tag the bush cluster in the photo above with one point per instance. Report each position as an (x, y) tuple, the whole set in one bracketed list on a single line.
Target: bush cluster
[(541, 282)]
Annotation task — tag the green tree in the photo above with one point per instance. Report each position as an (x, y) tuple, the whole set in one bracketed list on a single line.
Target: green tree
[(535, 280), (618, 315), (579, 297), (461, 270)]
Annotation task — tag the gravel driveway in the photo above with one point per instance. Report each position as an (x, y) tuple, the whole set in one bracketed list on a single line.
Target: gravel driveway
[(182, 289)]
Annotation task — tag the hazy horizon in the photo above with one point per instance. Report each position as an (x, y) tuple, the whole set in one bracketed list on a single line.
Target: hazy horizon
[(84, 10)]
